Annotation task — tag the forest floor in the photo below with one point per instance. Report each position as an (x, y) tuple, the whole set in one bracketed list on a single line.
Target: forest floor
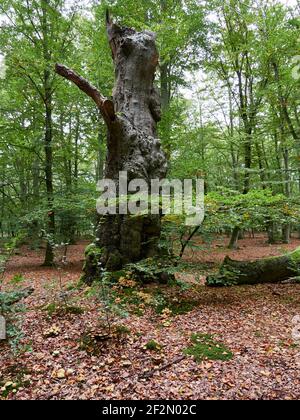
[(65, 355)]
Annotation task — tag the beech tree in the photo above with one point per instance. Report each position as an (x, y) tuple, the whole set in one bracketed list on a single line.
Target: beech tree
[(235, 123), (132, 144)]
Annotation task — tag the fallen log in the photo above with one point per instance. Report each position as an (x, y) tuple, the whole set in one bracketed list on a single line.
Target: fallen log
[(11, 298), (267, 270)]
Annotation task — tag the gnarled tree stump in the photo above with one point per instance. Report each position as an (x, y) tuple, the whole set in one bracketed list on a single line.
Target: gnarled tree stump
[(131, 118)]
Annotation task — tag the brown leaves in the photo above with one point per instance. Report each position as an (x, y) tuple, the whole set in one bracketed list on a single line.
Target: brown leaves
[(59, 374), (252, 321), (53, 331)]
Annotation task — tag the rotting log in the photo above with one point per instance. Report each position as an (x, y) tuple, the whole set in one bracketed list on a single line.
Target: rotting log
[(267, 270)]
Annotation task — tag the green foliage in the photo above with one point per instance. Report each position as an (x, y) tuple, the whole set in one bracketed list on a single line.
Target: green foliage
[(152, 269), (17, 279), (182, 307), (225, 209), (249, 211), (122, 330), (206, 348), (10, 309), (55, 309), (176, 305), (12, 313), (225, 278)]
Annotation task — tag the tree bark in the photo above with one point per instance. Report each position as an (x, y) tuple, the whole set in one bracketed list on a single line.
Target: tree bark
[(233, 244), (132, 145), (268, 270), (286, 233), (48, 94)]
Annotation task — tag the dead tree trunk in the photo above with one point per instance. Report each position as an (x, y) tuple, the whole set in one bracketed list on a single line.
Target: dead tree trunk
[(268, 270), (132, 145)]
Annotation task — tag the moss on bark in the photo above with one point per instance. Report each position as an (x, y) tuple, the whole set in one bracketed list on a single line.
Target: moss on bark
[(268, 270)]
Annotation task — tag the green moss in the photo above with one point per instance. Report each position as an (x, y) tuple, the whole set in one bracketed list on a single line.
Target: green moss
[(152, 345), (295, 256), (122, 330), (205, 347), (51, 308), (74, 310), (54, 309), (17, 279), (93, 255), (152, 269), (183, 307)]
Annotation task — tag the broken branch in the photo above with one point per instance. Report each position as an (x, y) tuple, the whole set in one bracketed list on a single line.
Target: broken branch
[(148, 375), (105, 105)]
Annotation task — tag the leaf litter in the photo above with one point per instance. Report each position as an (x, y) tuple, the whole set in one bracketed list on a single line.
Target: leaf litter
[(254, 323)]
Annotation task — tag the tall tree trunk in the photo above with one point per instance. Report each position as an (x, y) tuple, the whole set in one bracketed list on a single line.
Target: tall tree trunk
[(76, 149), (272, 231), (233, 152), (34, 225), (286, 227), (48, 173), (132, 146), (49, 256), (233, 244)]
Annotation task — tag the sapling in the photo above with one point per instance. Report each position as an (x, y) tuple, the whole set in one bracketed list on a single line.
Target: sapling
[(105, 296), (60, 251)]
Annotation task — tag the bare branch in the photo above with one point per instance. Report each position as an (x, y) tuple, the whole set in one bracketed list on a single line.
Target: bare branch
[(105, 105)]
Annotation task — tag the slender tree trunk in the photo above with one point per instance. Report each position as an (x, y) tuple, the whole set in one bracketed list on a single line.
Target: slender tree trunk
[(260, 165), (272, 231), (49, 256), (48, 172), (286, 228), (34, 226), (278, 160), (233, 244)]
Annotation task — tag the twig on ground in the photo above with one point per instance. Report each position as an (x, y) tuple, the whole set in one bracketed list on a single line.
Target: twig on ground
[(148, 375)]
